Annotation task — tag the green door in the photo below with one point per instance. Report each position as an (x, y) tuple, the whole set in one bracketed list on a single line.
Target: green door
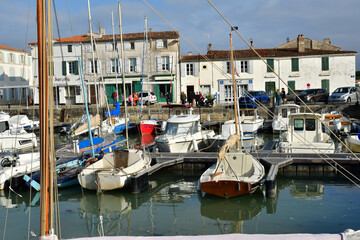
[(270, 86), (325, 84), (160, 92), (110, 89), (291, 85)]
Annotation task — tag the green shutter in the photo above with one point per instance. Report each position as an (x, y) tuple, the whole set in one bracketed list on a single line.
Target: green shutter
[(291, 85), (325, 63), (270, 62), (294, 64), (76, 67), (325, 84), (270, 86), (64, 68)]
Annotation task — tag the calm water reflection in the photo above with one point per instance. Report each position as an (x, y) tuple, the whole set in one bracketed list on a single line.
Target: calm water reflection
[(173, 206)]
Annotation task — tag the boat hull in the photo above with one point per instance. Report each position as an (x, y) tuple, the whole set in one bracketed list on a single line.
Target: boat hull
[(353, 143), (147, 128), (228, 188)]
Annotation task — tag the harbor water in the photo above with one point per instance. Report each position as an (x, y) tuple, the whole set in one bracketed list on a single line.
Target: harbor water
[(304, 203)]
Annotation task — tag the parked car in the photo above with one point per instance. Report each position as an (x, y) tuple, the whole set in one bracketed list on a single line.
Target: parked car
[(254, 97), (291, 97), (151, 98), (345, 94), (313, 95)]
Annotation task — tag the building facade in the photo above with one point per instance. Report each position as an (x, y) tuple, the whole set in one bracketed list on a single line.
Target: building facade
[(102, 66), (16, 77), (301, 63)]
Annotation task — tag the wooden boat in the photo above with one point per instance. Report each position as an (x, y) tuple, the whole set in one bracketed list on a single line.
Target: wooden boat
[(305, 135), (353, 142), (114, 170), (234, 174), (281, 120)]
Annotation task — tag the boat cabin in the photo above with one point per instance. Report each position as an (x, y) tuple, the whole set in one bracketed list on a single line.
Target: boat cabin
[(306, 126), (183, 124), (285, 110)]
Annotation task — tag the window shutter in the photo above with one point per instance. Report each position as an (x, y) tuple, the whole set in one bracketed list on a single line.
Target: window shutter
[(196, 69), (325, 63), (127, 65), (183, 69), (87, 48), (9, 59), (98, 66), (250, 66), (270, 62), (171, 63), (76, 67), (237, 66), (126, 46), (108, 47), (4, 58), (138, 65), (88, 67), (159, 44), (224, 67), (64, 68), (158, 64), (120, 66), (29, 60), (108, 66)]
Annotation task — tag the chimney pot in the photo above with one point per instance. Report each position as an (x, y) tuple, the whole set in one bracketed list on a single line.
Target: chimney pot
[(150, 29), (190, 53), (210, 47), (327, 40)]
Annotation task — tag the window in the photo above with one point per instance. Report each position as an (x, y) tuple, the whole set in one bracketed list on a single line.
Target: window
[(132, 45), (69, 48), (2, 74), (294, 64), (165, 65), (132, 65), (298, 124), (77, 90), (12, 74), (228, 67), (165, 43), (284, 113), (244, 66), (71, 66), (11, 58), (270, 62), (325, 63), (22, 59), (114, 66), (94, 67), (13, 93), (310, 124), (189, 69)]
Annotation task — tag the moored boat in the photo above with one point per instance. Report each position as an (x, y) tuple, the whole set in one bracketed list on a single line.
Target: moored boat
[(149, 126), (353, 142), (281, 120)]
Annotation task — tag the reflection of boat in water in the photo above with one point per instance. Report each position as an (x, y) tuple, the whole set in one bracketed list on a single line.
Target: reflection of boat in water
[(233, 209), (307, 191)]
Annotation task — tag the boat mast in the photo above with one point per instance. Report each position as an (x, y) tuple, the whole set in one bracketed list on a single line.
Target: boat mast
[(117, 62), (149, 66), (43, 112), (234, 90), (123, 77)]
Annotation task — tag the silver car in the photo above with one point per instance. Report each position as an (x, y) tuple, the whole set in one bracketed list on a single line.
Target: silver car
[(345, 94)]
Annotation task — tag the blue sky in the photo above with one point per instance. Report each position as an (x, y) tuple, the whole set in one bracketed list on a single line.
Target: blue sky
[(268, 22)]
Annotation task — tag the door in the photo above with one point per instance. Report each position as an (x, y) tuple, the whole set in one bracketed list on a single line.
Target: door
[(189, 92), (291, 85), (325, 84), (110, 89), (270, 88), (92, 94)]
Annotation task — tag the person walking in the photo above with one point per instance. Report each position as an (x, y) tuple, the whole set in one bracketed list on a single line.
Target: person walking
[(136, 99), (167, 98), (114, 96), (278, 97), (283, 95), (183, 97)]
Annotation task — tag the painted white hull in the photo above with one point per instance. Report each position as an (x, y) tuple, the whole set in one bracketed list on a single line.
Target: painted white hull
[(182, 143), (26, 164), (107, 174), (252, 127), (318, 147), (20, 141), (353, 143), (280, 124)]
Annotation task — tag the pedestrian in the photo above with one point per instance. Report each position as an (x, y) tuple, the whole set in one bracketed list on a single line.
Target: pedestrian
[(283, 95), (183, 97), (136, 99), (130, 100), (114, 97), (167, 98), (278, 97)]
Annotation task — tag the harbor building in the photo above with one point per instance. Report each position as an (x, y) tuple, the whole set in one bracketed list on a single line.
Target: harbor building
[(102, 66), (15, 76), (302, 63)]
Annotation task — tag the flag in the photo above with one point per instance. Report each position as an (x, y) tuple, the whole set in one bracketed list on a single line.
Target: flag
[(236, 73)]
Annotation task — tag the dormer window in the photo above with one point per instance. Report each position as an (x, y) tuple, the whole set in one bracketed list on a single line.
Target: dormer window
[(69, 48)]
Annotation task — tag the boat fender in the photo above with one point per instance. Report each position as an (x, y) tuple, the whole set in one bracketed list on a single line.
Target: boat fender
[(90, 161), (6, 162)]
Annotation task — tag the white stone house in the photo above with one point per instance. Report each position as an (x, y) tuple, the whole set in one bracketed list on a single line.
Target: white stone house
[(105, 71), (15, 76), (301, 63)]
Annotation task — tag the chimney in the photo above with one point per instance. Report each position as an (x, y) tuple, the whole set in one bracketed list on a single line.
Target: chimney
[(150, 29), (251, 42), (102, 31), (210, 47), (301, 43), (327, 41), (190, 53)]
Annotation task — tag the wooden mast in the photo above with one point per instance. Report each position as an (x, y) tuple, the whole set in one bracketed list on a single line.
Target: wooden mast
[(43, 112), (234, 90)]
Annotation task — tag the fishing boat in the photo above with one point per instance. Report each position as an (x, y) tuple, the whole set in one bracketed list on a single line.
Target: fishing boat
[(183, 134), (281, 120), (149, 126), (234, 174), (337, 121), (15, 165), (353, 142), (114, 170), (250, 120), (304, 135)]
